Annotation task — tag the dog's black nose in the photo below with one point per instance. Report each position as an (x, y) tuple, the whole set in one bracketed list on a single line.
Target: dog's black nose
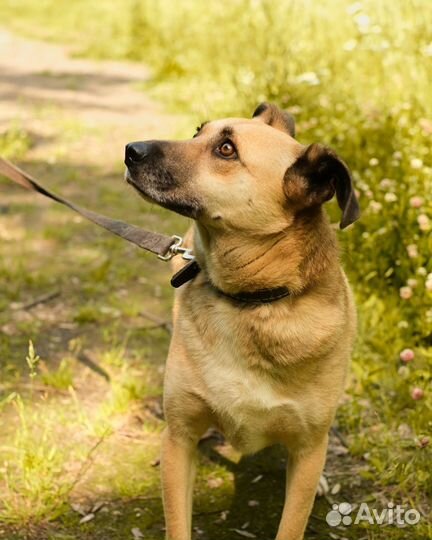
[(137, 151)]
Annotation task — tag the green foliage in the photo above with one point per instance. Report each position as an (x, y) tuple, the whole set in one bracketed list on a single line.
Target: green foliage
[(60, 378), (32, 360), (34, 468), (14, 142)]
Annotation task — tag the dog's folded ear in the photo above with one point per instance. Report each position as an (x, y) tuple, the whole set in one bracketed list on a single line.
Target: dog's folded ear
[(275, 117), (316, 176)]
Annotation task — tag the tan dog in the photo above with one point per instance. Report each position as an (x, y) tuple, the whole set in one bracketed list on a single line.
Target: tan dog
[(263, 335)]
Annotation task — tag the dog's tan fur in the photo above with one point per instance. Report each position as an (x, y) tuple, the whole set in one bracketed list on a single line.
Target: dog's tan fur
[(262, 374)]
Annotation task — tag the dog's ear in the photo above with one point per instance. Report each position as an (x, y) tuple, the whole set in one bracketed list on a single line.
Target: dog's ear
[(316, 176), (275, 117)]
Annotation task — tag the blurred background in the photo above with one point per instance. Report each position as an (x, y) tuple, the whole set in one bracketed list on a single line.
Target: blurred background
[(84, 318)]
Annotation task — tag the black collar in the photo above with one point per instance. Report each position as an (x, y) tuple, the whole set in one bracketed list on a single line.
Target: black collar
[(262, 296)]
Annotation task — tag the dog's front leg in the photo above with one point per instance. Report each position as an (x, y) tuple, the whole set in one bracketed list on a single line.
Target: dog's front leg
[(178, 473), (303, 474)]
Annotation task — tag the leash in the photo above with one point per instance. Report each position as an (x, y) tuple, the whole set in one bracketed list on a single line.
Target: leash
[(165, 247)]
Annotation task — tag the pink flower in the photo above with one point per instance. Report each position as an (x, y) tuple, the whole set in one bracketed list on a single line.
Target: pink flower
[(423, 442), (416, 202), (407, 355), (417, 393), (405, 293)]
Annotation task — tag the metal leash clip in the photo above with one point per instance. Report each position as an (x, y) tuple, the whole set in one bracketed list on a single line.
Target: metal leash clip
[(177, 249)]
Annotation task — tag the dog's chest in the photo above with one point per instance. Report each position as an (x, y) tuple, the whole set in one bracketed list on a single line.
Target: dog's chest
[(248, 408), (248, 405), (257, 370), (236, 386)]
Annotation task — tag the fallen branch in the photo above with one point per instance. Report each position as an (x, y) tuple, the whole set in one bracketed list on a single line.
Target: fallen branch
[(339, 436), (159, 322), (85, 359), (40, 300)]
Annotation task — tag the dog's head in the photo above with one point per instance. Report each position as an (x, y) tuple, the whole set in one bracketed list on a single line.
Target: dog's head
[(242, 174)]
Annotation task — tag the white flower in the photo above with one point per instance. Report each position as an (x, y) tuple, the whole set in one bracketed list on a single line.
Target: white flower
[(405, 293), (308, 77), (350, 45), (412, 283), (423, 222), (416, 163), (427, 50), (390, 197), (363, 21), (428, 284), (397, 155), (373, 162), (412, 251), (421, 271), (386, 183), (375, 207)]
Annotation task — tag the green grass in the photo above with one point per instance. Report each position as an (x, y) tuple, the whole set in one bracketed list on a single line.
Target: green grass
[(356, 76)]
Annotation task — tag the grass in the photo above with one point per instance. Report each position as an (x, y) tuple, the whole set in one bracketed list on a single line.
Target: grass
[(356, 76)]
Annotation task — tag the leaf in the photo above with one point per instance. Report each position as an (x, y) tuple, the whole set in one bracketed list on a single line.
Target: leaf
[(87, 518), (77, 507), (335, 489), (97, 506), (257, 479), (246, 534)]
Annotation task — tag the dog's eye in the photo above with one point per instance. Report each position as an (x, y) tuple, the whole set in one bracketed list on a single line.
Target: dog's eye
[(226, 150)]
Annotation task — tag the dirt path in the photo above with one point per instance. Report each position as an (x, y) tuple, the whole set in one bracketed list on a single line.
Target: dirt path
[(42, 83)]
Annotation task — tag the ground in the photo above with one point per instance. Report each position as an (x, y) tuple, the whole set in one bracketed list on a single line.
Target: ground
[(87, 425)]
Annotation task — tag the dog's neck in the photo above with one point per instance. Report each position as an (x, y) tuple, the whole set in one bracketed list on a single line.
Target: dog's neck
[(296, 257)]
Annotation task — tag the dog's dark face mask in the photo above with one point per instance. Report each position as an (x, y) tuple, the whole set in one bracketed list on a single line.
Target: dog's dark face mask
[(241, 174), (157, 170)]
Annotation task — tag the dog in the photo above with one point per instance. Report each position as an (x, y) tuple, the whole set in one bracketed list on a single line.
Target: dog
[(262, 336)]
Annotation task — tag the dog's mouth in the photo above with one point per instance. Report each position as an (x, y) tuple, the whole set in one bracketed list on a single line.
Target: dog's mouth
[(137, 187), (171, 199)]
